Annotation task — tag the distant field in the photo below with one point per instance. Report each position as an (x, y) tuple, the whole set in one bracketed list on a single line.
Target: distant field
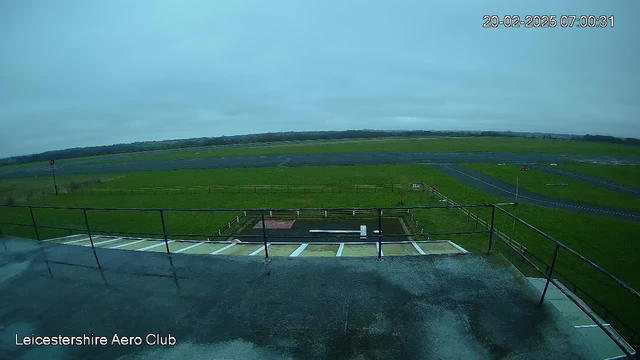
[(623, 174), (610, 243), (478, 144), (536, 181), (21, 188)]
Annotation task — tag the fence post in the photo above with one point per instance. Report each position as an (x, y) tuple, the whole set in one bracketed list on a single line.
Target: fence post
[(164, 231), (86, 221), (379, 233), (493, 215), (549, 274), (264, 236), (35, 227)]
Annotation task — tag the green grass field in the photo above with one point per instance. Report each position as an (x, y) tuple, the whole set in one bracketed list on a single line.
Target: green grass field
[(475, 144), (22, 188), (628, 175), (576, 190), (610, 243)]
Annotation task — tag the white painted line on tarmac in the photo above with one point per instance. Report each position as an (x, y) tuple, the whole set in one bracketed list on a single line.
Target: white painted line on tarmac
[(154, 246), (222, 249), (75, 241), (127, 244), (188, 247), (418, 249), (299, 250), (105, 242), (379, 250), (339, 253), (258, 251)]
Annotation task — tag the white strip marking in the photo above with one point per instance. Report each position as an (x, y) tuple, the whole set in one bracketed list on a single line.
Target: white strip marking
[(418, 249), (127, 244), (188, 247), (259, 250), (379, 250), (61, 238), (75, 241), (299, 250), (222, 249), (154, 246), (339, 253), (457, 247), (589, 326), (104, 242)]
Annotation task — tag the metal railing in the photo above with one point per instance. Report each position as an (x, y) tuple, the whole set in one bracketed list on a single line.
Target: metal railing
[(266, 212), (549, 272), (380, 236)]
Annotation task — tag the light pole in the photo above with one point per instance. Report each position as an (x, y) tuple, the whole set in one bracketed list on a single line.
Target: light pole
[(53, 169)]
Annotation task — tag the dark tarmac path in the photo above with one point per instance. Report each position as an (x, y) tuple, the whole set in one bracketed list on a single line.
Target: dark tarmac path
[(499, 188)]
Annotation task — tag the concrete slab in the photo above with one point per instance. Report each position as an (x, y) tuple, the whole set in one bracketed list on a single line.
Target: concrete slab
[(114, 243), (604, 346), (205, 248), (320, 251), (359, 250), (67, 238), (399, 250), (571, 311), (281, 250), (135, 245), (173, 247), (438, 248), (241, 249), (241, 307)]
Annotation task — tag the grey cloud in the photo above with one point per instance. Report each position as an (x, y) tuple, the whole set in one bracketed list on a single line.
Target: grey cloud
[(80, 73)]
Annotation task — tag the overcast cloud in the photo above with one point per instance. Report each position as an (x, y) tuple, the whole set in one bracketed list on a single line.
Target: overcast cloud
[(81, 73)]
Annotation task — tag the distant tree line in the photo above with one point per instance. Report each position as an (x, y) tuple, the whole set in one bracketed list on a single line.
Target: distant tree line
[(289, 136), (611, 139)]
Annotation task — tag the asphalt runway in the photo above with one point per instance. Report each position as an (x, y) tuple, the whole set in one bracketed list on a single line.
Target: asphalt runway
[(309, 160), (507, 191)]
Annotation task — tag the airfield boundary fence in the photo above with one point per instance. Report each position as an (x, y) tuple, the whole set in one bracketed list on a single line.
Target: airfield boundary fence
[(628, 333)]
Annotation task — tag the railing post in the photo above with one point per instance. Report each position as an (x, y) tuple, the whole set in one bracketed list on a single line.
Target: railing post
[(493, 215), (549, 274), (264, 236), (379, 233), (86, 221), (35, 227), (164, 231)]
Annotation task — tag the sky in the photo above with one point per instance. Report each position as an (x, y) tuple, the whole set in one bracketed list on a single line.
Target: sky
[(84, 73)]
